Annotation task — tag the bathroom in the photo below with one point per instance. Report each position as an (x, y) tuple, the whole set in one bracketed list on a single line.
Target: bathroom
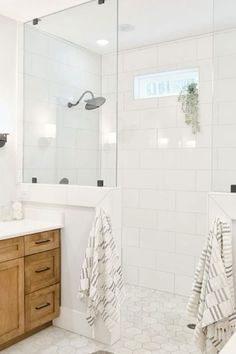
[(128, 107)]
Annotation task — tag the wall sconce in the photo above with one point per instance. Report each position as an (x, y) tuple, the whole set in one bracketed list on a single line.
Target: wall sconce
[(3, 139)]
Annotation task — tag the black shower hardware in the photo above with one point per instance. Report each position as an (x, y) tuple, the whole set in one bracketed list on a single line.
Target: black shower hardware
[(100, 2), (36, 21), (92, 103), (64, 180), (3, 139)]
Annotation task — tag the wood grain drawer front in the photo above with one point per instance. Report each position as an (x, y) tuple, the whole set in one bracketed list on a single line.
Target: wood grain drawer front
[(11, 249), (41, 242), (41, 306), (11, 299), (41, 270)]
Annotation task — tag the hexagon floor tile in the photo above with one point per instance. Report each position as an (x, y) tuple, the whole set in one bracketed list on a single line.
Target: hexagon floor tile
[(152, 323)]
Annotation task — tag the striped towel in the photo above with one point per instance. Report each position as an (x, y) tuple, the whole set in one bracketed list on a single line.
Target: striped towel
[(101, 279), (212, 300)]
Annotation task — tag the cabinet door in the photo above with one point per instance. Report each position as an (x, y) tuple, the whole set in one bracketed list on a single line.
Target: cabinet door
[(11, 299), (41, 270)]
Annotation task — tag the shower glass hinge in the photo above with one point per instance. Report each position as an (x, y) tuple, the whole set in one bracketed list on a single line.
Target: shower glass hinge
[(100, 2), (36, 21)]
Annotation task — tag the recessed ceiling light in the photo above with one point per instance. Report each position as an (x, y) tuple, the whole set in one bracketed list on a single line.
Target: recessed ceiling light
[(102, 42), (126, 27)]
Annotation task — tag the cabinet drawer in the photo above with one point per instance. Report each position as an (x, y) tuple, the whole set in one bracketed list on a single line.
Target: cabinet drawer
[(42, 241), (11, 249), (41, 306), (41, 270)]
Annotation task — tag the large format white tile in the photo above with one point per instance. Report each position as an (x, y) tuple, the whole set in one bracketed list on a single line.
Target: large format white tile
[(138, 257), (157, 240), (161, 281), (175, 263), (140, 58), (136, 217), (195, 202), (159, 200), (178, 52)]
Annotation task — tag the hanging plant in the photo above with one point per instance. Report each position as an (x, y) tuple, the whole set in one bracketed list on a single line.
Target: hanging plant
[(189, 101)]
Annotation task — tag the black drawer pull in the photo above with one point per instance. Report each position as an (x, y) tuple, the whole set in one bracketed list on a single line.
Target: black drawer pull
[(42, 241), (40, 307), (42, 270)]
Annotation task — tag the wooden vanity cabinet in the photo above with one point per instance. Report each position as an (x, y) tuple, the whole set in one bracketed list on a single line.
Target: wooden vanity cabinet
[(29, 284)]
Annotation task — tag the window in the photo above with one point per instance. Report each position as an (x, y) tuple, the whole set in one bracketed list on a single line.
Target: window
[(161, 84)]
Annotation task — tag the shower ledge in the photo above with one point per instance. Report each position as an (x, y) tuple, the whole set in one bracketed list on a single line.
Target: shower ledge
[(71, 195)]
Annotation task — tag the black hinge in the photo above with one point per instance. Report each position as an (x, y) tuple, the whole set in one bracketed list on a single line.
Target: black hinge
[(100, 2), (36, 21)]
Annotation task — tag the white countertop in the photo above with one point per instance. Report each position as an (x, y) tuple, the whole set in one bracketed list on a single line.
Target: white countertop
[(10, 229)]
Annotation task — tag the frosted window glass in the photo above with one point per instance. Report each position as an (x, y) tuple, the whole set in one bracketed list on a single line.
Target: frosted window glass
[(162, 84)]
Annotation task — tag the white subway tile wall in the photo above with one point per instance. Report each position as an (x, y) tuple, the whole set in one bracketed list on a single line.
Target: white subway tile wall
[(164, 170)]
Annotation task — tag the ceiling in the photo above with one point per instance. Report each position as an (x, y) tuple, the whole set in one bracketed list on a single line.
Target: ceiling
[(26, 10), (154, 21)]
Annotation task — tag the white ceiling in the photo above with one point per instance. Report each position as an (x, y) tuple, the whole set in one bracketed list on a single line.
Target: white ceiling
[(154, 21), (26, 10)]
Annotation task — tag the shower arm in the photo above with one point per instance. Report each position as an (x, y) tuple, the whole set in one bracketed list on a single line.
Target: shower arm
[(80, 99)]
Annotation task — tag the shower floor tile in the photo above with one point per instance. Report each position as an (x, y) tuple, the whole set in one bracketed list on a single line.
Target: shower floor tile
[(153, 322)]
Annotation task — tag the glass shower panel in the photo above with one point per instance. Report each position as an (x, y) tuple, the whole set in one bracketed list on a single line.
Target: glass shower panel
[(69, 117), (224, 105)]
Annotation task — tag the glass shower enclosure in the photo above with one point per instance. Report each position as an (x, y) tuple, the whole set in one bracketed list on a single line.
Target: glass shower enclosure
[(70, 107)]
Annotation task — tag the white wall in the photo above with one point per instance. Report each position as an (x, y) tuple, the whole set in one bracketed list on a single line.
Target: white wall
[(164, 169), (8, 77), (57, 72)]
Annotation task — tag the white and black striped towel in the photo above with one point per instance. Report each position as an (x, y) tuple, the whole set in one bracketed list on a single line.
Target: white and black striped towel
[(212, 300), (101, 280)]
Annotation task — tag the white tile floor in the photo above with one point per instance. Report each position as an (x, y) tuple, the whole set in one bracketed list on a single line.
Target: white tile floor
[(152, 322)]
